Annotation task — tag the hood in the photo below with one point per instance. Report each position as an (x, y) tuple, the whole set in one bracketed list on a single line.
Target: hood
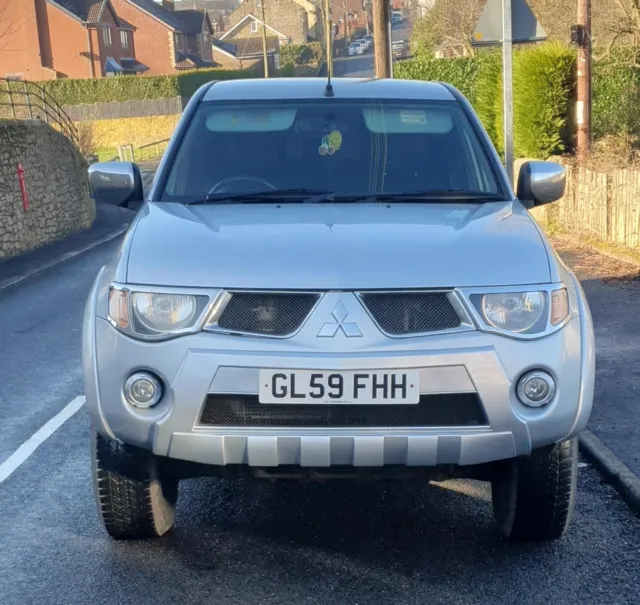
[(336, 246)]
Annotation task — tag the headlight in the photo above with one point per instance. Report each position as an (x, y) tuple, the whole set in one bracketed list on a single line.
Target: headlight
[(514, 311), (522, 313), (156, 315), (163, 312)]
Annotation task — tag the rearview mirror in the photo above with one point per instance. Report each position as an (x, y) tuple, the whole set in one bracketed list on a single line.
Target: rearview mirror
[(540, 183), (116, 183)]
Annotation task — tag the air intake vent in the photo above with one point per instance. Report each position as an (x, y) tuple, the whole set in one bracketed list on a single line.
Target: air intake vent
[(401, 314), (268, 314), (459, 409)]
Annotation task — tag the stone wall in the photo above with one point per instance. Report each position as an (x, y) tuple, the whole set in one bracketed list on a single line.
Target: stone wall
[(55, 176)]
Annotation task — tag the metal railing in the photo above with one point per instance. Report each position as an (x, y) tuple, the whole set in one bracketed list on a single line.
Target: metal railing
[(22, 99), (150, 151)]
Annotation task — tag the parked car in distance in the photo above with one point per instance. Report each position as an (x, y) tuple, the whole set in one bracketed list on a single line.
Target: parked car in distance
[(369, 40), (399, 49), (335, 283), (355, 48), (364, 43)]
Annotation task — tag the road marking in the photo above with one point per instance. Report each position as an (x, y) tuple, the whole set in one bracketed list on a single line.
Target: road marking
[(16, 280), (21, 455)]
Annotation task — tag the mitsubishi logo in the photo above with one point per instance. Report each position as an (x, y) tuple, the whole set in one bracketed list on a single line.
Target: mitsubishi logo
[(339, 314)]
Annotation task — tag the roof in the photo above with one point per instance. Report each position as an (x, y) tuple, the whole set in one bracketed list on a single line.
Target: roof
[(246, 47), (191, 61), (124, 66), (313, 88), (252, 17), (185, 21), (192, 21), (87, 11)]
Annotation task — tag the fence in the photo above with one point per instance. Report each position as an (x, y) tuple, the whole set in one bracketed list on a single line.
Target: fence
[(126, 109), (144, 153), (21, 100), (604, 206)]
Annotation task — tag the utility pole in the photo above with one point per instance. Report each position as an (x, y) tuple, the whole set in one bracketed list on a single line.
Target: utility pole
[(328, 36), (507, 87), (380, 10), (583, 105), (265, 53), (346, 23)]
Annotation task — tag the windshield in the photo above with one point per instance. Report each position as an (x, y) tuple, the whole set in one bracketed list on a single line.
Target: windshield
[(354, 147)]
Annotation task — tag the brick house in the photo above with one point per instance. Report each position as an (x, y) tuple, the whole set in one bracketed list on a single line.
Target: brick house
[(168, 40), (297, 20), (50, 39)]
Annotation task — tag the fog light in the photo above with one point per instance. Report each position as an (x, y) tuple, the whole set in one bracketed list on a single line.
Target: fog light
[(142, 390), (536, 389)]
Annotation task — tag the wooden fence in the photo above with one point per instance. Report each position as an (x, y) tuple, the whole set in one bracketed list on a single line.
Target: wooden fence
[(599, 205), (126, 109)]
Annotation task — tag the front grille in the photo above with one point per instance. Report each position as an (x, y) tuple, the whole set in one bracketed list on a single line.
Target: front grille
[(400, 313), (271, 314), (459, 409)]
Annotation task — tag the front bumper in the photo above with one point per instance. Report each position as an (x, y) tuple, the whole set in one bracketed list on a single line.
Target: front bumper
[(194, 366)]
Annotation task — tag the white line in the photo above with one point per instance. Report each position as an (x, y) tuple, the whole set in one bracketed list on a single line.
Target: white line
[(16, 280), (38, 438)]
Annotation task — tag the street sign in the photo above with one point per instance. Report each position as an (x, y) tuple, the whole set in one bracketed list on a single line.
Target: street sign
[(525, 27)]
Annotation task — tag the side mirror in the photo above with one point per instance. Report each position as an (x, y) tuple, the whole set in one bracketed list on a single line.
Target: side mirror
[(116, 183), (540, 183)]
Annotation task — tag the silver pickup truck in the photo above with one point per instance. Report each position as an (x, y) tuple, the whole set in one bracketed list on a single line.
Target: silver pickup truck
[(335, 282)]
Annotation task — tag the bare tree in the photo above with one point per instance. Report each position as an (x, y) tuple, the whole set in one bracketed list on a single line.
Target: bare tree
[(450, 23)]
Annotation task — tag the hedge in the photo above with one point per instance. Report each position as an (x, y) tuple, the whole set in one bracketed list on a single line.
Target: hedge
[(616, 96), (302, 54), (461, 73), (130, 88), (544, 90)]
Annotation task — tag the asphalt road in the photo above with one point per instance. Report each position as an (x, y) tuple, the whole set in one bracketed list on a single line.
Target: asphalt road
[(259, 544), (363, 66)]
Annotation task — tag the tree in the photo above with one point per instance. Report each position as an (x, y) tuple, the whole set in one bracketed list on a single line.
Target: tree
[(449, 22)]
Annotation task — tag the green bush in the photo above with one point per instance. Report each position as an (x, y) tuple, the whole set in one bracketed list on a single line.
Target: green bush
[(461, 73), (288, 70), (301, 54), (543, 83), (616, 96), (543, 89), (130, 88), (487, 99)]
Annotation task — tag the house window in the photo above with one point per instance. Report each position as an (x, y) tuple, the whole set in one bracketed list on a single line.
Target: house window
[(253, 28), (180, 42), (258, 3), (106, 36), (124, 39), (206, 40)]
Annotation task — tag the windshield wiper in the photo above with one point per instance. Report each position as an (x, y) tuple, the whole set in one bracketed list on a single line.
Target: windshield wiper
[(430, 195), (280, 195)]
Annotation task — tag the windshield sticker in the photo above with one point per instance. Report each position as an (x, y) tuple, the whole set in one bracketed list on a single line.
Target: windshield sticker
[(413, 117), (330, 143)]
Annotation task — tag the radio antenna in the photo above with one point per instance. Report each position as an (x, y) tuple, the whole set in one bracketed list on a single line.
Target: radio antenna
[(328, 91)]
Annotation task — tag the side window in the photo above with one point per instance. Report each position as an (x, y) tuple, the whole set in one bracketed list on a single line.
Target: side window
[(253, 28)]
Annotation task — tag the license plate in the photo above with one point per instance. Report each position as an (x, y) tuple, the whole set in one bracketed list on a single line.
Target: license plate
[(343, 387)]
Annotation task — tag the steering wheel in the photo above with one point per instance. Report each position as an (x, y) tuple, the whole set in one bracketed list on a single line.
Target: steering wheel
[(220, 185)]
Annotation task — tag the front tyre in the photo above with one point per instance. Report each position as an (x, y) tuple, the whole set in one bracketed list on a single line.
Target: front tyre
[(133, 501), (533, 496)]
